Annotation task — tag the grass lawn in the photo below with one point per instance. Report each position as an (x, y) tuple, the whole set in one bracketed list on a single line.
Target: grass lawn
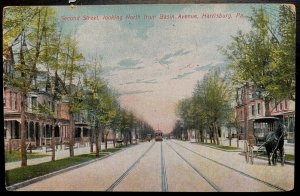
[(111, 150), (16, 156), (288, 157), (222, 147), (20, 174)]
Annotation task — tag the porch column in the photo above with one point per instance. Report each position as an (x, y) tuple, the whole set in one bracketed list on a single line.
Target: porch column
[(81, 133), (34, 132), (28, 130), (8, 129), (44, 128), (41, 133)]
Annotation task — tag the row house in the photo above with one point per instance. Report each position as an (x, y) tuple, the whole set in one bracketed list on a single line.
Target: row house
[(38, 127), (82, 128), (249, 106)]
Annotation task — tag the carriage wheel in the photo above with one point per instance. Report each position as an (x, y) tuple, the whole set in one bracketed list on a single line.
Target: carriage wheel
[(246, 151), (251, 155)]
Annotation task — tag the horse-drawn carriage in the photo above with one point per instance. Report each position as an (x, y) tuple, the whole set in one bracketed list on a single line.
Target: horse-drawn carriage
[(268, 132)]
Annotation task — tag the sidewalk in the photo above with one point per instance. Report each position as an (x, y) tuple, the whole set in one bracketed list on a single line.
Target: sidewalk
[(289, 148), (59, 154)]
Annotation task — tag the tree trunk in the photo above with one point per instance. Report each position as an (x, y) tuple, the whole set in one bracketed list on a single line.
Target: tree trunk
[(130, 137), (53, 142), (71, 136), (229, 137), (136, 137), (106, 135), (23, 131), (114, 140), (91, 140), (97, 142), (237, 138), (267, 107), (217, 135), (100, 139)]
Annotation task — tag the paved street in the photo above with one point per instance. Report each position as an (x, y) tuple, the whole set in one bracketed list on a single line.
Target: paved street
[(171, 165)]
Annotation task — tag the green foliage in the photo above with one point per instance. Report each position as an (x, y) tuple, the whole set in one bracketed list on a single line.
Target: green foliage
[(265, 56), (24, 173), (16, 156), (222, 147), (208, 107)]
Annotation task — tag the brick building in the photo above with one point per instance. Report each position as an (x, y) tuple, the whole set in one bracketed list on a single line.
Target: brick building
[(249, 106)]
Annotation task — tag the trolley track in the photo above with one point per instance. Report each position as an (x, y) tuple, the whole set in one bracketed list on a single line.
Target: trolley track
[(233, 169), (163, 176), (164, 182), (214, 186), (121, 178)]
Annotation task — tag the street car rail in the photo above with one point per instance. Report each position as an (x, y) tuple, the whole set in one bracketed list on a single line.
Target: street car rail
[(119, 180), (215, 187), (231, 168), (164, 183)]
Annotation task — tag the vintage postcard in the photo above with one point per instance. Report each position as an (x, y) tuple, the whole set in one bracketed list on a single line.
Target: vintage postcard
[(149, 97)]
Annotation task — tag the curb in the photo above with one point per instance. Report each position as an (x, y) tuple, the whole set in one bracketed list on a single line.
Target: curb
[(237, 150), (265, 158), (258, 157), (39, 178)]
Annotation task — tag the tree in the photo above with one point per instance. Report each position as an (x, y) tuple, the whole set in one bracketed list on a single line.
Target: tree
[(71, 68), (265, 55), (101, 103), (94, 88), (283, 55), (208, 108), (51, 57), (24, 29)]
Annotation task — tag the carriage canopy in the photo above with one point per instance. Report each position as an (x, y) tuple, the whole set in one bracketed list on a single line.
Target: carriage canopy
[(263, 125)]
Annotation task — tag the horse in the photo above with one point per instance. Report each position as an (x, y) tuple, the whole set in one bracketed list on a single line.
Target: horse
[(274, 143)]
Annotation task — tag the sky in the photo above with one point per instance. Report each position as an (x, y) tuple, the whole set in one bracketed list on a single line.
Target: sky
[(150, 55)]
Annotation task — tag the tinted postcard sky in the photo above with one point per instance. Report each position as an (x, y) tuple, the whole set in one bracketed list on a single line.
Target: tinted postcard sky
[(153, 55)]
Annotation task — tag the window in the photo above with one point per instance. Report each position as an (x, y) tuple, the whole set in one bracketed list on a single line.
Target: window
[(14, 101), (280, 106), (33, 102), (252, 110), (258, 108), (285, 104), (275, 105), (10, 99)]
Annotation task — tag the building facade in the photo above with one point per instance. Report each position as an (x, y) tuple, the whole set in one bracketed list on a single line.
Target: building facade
[(249, 106)]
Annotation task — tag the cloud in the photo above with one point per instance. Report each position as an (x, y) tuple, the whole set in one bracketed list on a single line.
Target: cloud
[(139, 81), (180, 76), (129, 63), (203, 68), (176, 52), (166, 59), (135, 92), (221, 66)]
